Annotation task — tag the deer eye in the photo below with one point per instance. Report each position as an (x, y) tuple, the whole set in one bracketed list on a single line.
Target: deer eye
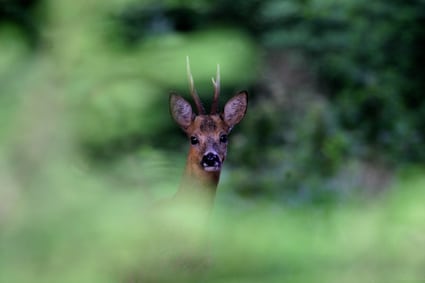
[(223, 138), (194, 140)]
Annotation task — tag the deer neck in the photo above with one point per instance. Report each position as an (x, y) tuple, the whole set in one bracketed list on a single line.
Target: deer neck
[(198, 184)]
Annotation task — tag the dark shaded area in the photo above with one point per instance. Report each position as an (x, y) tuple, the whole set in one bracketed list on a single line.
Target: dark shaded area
[(22, 14), (138, 21)]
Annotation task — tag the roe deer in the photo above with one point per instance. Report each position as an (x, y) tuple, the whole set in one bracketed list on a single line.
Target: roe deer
[(178, 226), (207, 134)]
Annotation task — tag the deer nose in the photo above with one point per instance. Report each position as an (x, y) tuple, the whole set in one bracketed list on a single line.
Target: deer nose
[(210, 160)]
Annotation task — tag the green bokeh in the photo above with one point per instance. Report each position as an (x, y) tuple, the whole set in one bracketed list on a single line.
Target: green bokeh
[(323, 180)]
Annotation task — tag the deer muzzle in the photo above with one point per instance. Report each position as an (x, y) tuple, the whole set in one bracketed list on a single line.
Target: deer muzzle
[(211, 162)]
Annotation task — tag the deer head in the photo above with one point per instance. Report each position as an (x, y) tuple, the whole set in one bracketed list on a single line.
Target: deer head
[(207, 132)]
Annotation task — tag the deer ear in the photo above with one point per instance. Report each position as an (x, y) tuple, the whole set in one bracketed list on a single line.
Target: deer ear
[(181, 111), (235, 109)]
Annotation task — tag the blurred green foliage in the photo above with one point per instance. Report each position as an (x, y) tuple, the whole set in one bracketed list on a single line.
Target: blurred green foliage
[(314, 186), (367, 56)]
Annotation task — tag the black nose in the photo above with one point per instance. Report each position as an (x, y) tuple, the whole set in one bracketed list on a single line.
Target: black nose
[(210, 160)]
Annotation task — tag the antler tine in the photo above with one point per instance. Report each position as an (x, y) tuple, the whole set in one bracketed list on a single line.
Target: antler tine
[(193, 92), (216, 83)]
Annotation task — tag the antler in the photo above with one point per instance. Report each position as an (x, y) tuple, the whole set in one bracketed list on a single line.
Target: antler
[(193, 92), (216, 83)]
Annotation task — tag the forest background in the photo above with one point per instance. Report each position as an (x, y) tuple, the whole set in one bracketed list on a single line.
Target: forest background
[(324, 177)]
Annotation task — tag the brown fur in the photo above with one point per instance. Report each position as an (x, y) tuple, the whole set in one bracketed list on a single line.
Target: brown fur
[(207, 129)]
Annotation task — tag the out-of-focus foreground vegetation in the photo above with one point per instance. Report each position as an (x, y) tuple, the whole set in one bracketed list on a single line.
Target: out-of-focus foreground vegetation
[(323, 180)]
